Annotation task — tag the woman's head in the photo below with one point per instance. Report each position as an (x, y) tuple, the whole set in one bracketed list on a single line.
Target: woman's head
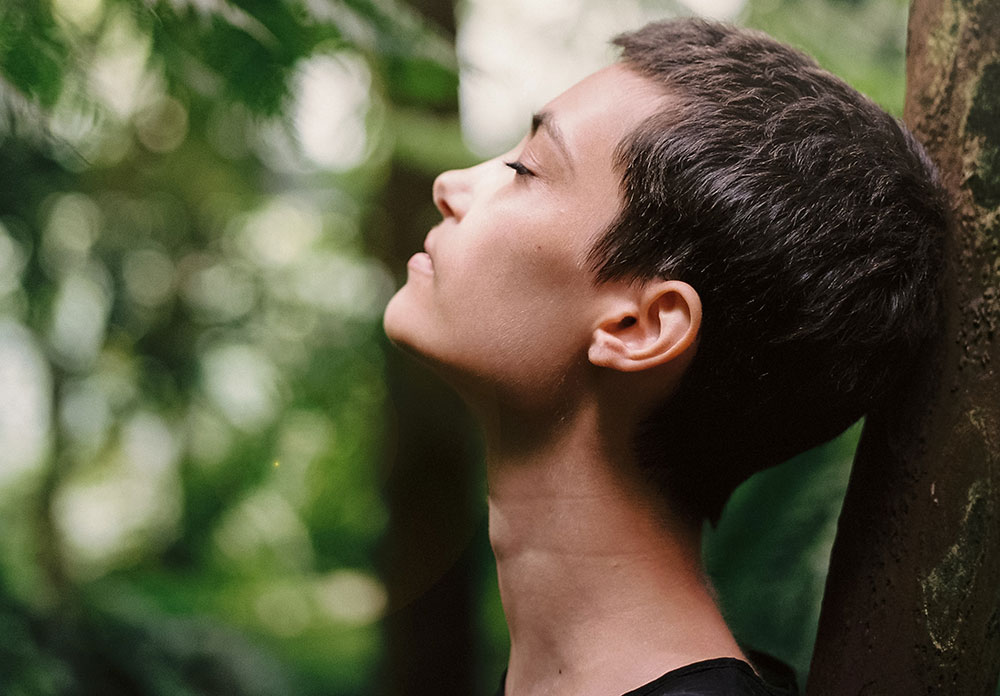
[(714, 183)]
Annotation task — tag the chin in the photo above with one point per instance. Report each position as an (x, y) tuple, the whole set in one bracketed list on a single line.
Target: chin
[(410, 326), (394, 319), (404, 324)]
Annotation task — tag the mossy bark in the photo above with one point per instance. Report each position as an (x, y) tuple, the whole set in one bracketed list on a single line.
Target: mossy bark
[(912, 603)]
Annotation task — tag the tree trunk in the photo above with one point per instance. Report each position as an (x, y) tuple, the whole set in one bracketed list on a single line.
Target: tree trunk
[(912, 603)]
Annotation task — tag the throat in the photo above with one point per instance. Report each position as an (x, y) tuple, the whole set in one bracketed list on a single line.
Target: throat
[(600, 589)]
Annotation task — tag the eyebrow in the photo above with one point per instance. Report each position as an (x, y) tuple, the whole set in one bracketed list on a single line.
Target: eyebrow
[(547, 120)]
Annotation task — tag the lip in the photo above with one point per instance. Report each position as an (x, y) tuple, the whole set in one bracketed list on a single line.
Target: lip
[(428, 244), (421, 263)]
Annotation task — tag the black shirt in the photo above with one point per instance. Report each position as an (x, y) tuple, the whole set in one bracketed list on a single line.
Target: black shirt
[(722, 676)]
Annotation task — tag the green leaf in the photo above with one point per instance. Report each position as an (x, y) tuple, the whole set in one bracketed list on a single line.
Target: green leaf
[(33, 54)]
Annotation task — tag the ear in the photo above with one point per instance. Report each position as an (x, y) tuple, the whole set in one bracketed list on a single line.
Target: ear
[(656, 324)]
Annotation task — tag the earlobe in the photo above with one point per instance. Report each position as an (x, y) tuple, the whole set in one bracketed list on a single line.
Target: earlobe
[(656, 326)]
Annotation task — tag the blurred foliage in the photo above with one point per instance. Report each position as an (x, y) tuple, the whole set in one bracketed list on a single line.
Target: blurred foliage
[(861, 41), (769, 555), (190, 338), (191, 371)]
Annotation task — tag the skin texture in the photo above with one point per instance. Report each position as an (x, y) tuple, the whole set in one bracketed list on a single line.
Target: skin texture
[(602, 588)]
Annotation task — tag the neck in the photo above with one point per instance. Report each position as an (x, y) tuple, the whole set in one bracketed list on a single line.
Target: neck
[(602, 591)]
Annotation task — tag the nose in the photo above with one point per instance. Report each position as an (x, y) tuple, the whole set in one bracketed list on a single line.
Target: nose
[(452, 193)]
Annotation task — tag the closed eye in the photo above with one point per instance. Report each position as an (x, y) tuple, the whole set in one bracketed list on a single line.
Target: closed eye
[(519, 168)]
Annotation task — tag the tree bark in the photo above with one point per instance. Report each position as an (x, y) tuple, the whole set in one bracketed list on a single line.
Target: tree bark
[(912, 603)]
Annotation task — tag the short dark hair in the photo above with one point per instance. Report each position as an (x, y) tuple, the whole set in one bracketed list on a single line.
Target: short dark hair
[(811, 224)]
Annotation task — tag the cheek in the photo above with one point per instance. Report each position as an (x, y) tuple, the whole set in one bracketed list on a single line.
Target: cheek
[(520, 277), (540, 252), (524, 305)]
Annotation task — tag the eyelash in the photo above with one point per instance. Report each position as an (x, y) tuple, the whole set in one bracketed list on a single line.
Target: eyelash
[(519, 168)]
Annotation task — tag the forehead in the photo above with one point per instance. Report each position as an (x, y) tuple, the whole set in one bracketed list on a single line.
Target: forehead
[(595, 114)]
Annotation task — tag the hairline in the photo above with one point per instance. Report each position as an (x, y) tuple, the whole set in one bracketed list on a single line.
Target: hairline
[(678, 103)]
